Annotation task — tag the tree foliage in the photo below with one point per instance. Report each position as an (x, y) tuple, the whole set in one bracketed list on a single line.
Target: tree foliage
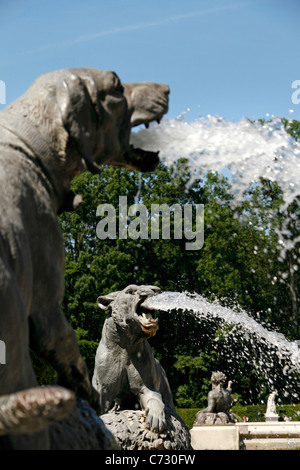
[(241, 263)]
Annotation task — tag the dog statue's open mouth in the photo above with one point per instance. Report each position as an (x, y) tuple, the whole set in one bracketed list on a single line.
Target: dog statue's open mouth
[(146, 318), (148, 102), (143, 160)]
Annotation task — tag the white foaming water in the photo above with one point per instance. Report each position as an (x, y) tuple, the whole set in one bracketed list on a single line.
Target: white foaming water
[(286, 351), (248, 150), (244, 151)]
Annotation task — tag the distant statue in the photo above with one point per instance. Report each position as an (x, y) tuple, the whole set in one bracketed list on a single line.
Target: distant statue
[(271, 413), (220, 402)]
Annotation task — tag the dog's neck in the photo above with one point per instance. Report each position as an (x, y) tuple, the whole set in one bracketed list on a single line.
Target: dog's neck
[(41, 154), (113, 336)]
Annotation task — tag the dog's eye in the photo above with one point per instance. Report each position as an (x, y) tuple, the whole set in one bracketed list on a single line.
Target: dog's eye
[(130, 291)]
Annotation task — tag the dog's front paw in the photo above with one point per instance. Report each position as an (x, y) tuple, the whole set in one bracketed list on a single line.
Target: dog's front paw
[(156, 419)]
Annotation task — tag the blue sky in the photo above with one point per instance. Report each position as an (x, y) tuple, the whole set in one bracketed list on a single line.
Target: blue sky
[(231, 58)]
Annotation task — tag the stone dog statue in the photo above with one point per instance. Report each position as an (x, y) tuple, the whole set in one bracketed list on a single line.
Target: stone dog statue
[(126, 371), (67, 122)]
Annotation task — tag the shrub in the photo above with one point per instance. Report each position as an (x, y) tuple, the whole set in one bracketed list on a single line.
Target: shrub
[(254, 413)]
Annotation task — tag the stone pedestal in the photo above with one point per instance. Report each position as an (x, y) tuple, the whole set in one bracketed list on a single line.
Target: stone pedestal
[(249, 436), (216, 437), (271, 418)]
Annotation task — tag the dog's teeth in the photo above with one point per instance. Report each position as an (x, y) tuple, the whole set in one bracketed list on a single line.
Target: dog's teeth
[(147, 317)]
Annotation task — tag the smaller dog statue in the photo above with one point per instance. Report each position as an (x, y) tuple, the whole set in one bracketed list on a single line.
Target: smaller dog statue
[(220, 401), (125, 368), (135, 397)]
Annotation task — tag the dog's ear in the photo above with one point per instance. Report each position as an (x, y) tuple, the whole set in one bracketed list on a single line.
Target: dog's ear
[(77, 101), (104, 301)]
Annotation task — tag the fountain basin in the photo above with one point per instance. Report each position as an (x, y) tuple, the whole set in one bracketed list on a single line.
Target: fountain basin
[(249, 436)]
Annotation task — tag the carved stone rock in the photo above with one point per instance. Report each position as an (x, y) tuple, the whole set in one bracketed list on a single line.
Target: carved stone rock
[(72, 424), (213, 418), (131, 433), (81, 430)]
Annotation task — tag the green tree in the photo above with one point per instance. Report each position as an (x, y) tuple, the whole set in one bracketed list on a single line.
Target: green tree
[(239, 264)]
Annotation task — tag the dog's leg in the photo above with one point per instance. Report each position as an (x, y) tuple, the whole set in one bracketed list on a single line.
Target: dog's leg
[(17, 373), (109, 376), (151, 402), (53, 338), (149, 398), (164, 386)]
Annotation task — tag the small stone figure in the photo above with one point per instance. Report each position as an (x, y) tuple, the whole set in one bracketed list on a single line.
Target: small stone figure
[(271, 414), (220, 402)]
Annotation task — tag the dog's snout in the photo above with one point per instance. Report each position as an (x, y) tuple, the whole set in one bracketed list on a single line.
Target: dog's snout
[(146, 291), (167, 90)]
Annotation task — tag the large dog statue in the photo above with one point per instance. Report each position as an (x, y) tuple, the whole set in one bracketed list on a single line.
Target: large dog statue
[(67, 122), (125, 368)]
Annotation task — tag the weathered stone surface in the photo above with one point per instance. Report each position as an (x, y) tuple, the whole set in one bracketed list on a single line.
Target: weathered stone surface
[(131, 432), (81, 430), (71, 424)]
